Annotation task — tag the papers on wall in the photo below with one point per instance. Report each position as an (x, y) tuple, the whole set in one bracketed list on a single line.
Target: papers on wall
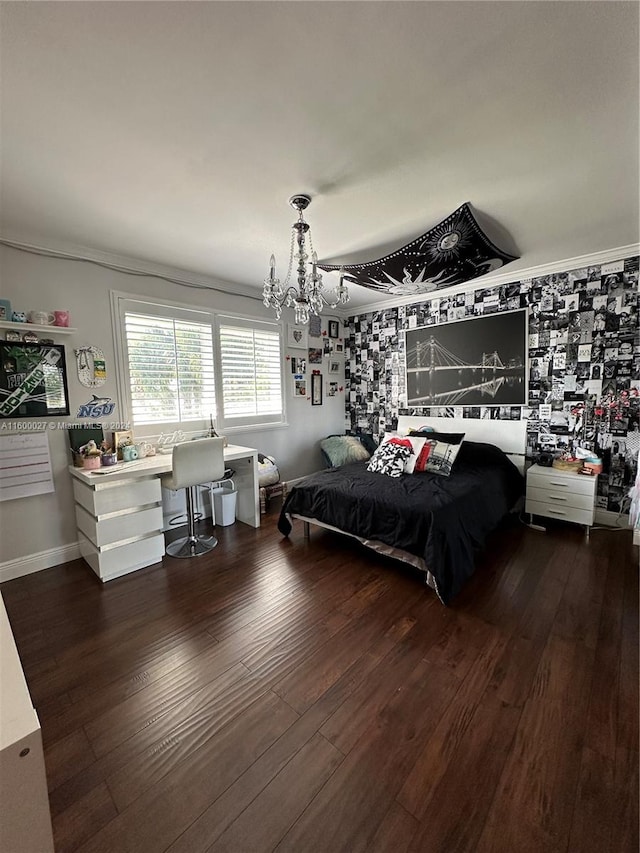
[(25, 465)]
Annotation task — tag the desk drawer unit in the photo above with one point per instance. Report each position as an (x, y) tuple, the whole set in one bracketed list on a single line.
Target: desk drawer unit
[(561, 495), (119, 525)]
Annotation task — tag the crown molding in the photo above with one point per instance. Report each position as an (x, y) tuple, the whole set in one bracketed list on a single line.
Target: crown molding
[(493, 280), (125, 264), (137, 266)]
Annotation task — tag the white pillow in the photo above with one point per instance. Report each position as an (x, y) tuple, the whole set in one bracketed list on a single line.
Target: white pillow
[(416, 444)]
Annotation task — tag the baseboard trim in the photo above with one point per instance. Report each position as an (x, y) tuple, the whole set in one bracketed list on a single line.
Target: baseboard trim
[(37, 562)]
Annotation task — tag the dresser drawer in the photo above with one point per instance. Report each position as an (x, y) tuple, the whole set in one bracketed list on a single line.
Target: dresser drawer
[(558, 497), (123, 559), (117, 496), (116, 528), (563, 513), (577, 484)]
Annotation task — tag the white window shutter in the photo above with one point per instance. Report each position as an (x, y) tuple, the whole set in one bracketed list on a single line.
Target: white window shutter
[(170, 369)]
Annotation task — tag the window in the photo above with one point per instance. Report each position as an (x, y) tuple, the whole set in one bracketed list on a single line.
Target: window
[(170, 367), (173, 363), (251, 375)]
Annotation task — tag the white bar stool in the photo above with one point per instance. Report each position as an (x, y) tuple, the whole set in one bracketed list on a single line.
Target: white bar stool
[(193, 463)]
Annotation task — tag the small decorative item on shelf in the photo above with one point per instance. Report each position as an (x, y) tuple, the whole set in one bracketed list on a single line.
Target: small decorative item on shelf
[(119, 439), (214, 434), (92, 455), (129, 453), (109, 456), (568, 463)]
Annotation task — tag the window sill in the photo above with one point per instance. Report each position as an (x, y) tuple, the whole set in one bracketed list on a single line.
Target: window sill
[(229, 430)]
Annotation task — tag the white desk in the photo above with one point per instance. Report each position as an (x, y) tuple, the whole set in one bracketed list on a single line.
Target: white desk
[(119, 509)]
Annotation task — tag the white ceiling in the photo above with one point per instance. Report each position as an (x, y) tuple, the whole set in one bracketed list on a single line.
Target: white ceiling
[(175, 132)]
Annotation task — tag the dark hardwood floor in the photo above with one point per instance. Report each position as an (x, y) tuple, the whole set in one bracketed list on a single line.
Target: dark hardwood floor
[(315, 697)]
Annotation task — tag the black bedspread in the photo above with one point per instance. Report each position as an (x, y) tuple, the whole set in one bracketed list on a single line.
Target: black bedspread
[(441, 519)]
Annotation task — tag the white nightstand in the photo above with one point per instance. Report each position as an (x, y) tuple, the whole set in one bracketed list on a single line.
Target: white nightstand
[(560, 494)]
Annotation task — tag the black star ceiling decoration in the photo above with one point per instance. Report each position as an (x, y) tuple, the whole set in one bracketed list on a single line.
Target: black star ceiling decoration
[(454, 251)]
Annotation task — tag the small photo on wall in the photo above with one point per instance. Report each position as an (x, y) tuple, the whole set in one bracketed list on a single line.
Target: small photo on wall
[(315, 355), (298, 365), (315, 326), (300, 387)]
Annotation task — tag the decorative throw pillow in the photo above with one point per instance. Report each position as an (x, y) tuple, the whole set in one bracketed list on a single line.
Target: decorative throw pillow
[(418, 457), (443, 451), (390, 458), (341, 449)]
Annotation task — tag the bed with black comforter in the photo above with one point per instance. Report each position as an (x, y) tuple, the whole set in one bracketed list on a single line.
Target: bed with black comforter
[(442, 520)]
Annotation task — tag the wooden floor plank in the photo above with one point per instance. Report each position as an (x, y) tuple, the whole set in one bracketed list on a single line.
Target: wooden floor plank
[(86, 816), (396, 831), (450, 729), (346, 814), (161, 814), (533, 805), (262, 824), (467, 786)]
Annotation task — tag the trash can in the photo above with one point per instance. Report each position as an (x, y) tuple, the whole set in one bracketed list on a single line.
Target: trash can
[(223, 502)]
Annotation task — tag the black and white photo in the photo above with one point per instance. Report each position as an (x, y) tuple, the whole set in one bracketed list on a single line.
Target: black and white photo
[(480, 361)]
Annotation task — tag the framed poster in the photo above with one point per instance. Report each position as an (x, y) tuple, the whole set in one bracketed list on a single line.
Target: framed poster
[(296, 336), (316, 389), (477, 362), (33, 380), (334, 328)]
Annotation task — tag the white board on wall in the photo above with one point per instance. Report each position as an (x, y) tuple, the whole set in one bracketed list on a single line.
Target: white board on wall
[(25, 465)]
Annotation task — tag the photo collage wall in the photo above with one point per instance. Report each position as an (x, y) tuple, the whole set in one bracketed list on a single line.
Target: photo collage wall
[(583, 344), (315, 358)]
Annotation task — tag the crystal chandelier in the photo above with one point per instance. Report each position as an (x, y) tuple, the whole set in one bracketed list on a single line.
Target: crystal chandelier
[(309, 297)]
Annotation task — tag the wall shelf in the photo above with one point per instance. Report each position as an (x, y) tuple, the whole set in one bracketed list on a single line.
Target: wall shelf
[(31, 327)]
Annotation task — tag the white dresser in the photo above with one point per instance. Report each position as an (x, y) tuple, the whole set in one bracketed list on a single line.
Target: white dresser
[(562, 495)]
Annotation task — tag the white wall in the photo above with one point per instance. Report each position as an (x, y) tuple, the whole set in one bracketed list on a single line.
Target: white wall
[(37, 524)]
